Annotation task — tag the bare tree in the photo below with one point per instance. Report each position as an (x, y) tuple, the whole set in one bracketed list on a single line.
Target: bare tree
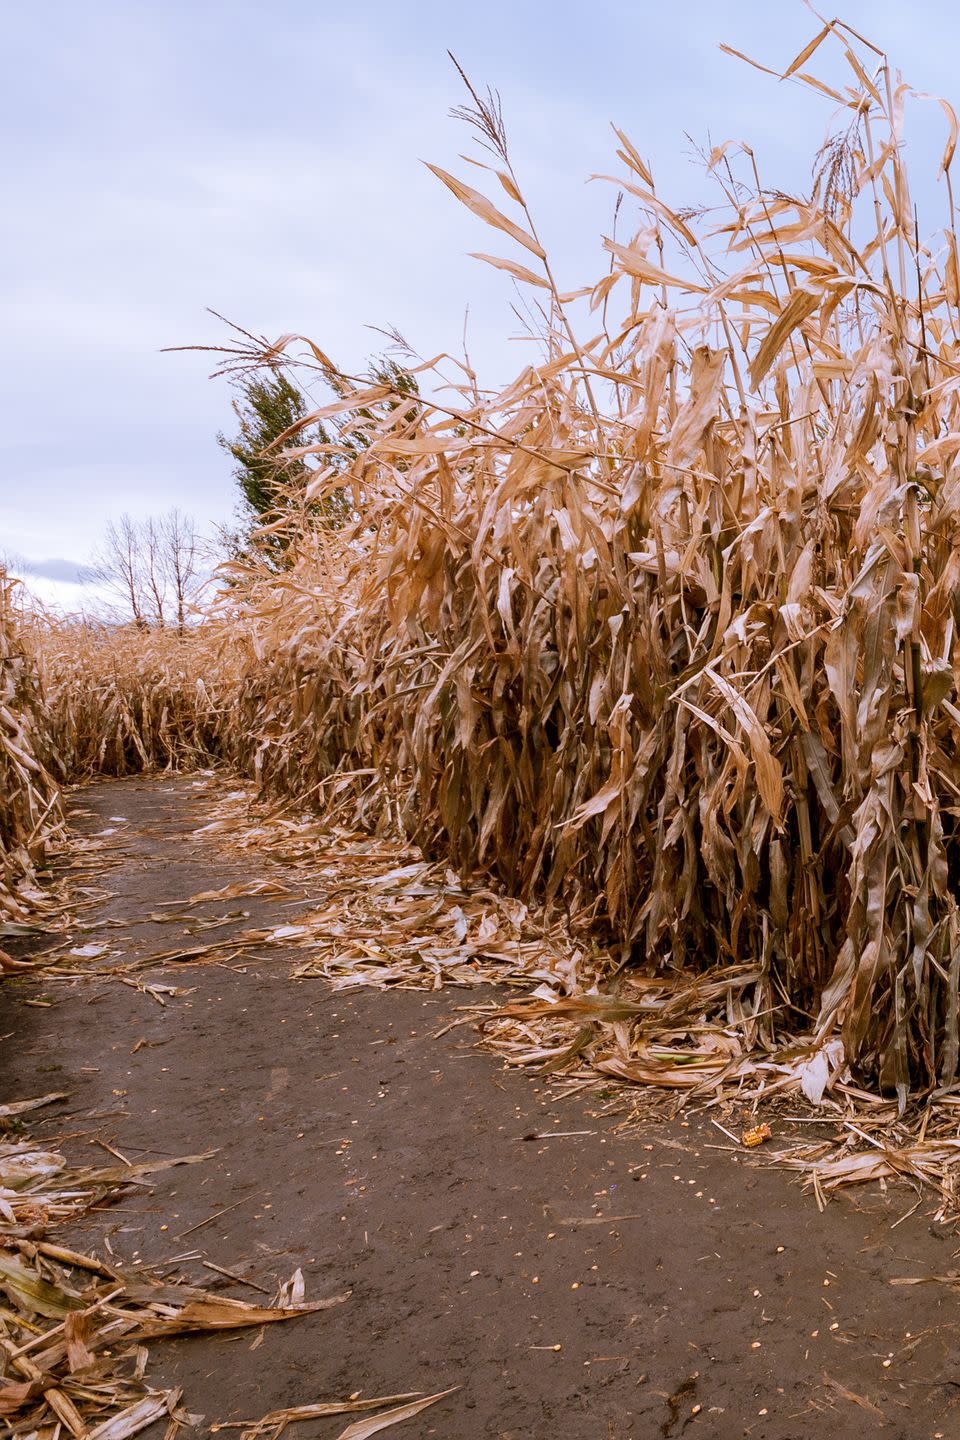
[(118, 565), (153, 567), (183, 556), (152, 557)]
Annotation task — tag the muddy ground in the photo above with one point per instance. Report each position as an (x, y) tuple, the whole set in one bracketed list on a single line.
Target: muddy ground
[(612, 1283)]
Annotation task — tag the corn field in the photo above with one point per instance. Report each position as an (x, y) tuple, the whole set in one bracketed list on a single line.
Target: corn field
[(29, 798), (663, 633), (120, 701)]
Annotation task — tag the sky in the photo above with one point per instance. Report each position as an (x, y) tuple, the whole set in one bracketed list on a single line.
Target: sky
[(264, 161)]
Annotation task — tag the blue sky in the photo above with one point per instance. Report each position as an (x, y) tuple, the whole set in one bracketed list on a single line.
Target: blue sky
[(264, 160)]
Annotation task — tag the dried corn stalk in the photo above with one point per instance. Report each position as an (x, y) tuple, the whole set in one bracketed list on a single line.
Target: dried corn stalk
[(120, 700), (666, 628), (29, 799)]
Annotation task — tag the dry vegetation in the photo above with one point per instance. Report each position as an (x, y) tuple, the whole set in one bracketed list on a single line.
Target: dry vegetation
[(29, 798), (121, 700), (662, 636), (664, 632), (666, 628)]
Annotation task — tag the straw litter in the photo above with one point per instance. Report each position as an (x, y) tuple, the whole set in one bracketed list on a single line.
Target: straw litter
[(72, 1326)]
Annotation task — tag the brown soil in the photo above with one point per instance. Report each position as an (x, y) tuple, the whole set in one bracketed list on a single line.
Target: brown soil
[(689, 1289)]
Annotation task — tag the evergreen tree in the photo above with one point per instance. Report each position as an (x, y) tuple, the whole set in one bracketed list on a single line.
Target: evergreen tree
[(268, 404)]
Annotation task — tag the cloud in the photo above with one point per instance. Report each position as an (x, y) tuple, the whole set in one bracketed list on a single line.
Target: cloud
[(57, 568)]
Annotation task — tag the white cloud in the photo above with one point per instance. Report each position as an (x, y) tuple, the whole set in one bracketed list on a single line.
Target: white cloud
[(66, 599)]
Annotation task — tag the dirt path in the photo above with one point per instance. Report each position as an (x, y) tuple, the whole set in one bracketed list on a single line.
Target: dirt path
[(606, 1283)]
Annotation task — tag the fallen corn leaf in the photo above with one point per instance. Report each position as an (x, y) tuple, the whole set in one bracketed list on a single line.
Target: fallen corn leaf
[(360, 1429)]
